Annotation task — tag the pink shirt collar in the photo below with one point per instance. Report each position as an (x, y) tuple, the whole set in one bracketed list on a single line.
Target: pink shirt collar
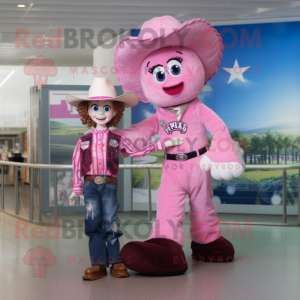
[(95, 131)]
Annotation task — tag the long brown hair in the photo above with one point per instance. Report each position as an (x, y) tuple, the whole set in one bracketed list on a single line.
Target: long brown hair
[(83, 108)]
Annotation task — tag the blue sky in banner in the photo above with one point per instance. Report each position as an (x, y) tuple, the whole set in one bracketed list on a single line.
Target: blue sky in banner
[(267, 94)]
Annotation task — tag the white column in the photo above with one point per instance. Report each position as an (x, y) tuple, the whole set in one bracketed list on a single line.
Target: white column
[(104, 65), (104, 58)]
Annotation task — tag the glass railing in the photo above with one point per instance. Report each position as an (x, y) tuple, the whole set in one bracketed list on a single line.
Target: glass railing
[(22, 195)]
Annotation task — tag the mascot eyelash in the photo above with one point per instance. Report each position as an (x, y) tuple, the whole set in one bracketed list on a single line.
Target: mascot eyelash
[(178, 58), (150, 70)]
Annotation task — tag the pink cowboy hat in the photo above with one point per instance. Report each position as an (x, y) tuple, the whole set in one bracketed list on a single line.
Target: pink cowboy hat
[(199, 36)]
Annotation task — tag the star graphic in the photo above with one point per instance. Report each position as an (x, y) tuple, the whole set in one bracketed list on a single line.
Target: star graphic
[(236, 72)]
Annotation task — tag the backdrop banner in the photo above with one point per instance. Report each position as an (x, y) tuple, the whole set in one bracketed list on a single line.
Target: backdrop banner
[(256, 93)]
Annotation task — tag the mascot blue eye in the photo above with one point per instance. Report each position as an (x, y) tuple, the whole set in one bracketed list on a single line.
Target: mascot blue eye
[(175, 70), (159, 74), (107, 108), (95, 107), (175, 66)]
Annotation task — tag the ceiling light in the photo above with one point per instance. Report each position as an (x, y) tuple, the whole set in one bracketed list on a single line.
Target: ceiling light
[(21, 5)]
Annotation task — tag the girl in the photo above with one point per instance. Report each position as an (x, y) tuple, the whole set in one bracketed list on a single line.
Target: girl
[(96, 158)]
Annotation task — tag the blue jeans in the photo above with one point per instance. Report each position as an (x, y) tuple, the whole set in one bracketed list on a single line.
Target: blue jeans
[(102, 222)]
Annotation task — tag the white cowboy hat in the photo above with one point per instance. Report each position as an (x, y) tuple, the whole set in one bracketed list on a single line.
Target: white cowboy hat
[(103, 89)]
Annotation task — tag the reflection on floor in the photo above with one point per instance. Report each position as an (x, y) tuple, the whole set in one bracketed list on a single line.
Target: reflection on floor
[(267, 266)]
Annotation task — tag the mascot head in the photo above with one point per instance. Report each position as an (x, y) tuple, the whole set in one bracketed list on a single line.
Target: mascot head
[(169, 62)]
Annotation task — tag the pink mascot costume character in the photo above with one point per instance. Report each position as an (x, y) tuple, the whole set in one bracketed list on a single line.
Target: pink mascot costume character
[(168, 64)]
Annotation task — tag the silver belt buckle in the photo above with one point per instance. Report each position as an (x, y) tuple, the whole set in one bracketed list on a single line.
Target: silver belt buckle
[(181, 157), (99, 180)]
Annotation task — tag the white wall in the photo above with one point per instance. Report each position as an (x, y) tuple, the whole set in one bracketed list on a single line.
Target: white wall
[(15, 84), (14, 92)]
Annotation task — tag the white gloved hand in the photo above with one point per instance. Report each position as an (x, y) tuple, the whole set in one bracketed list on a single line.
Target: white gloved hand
[(221, 171), (74, 197), (174, 142)]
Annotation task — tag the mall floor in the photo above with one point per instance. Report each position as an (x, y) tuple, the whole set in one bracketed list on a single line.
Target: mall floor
[(267, 266)]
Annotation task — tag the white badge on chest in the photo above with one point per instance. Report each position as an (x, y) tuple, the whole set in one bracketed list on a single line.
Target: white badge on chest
[(84, 145), (113, 143)]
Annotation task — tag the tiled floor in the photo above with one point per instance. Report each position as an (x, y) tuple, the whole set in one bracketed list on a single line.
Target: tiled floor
[(267, 266)]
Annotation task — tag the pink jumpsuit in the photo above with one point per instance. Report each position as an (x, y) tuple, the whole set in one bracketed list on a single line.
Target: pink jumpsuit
[(185, 177)]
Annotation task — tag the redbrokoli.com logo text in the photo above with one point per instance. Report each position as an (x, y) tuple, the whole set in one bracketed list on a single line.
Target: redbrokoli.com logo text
[(70, 38)]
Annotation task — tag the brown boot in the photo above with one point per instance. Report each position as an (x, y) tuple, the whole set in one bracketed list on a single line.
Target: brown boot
[(95, 272), (118, 270)]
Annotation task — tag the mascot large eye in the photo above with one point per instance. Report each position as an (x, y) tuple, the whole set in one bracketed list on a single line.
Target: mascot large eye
[(159, 74), (175, 67)]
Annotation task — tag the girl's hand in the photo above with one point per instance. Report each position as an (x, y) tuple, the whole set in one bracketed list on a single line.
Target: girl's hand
[(73, 198), (174, 142)]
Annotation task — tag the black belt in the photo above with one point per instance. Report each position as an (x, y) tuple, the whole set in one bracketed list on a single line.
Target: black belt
[(185, 156)]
